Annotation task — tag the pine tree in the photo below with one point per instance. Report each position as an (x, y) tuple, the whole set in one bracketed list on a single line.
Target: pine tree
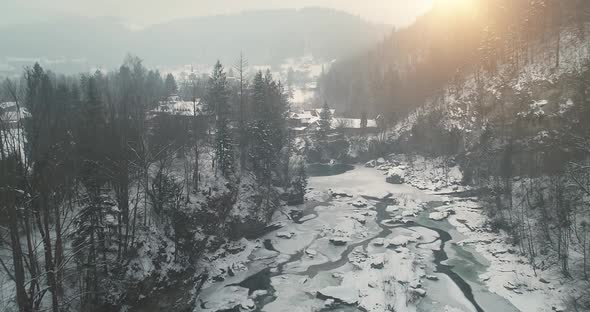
[(170, 85), (11, 171), (364, 119), (42, 145), (268, 139), (279, 108), (155, 87), (261, 155), (218, 104), (488, 50), (325, 122), (89, 134), (299, 185), (126, 116), (240, 67)]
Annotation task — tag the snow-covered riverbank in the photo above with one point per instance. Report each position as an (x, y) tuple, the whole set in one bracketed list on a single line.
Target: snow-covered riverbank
[(366, 245), (507, 272)]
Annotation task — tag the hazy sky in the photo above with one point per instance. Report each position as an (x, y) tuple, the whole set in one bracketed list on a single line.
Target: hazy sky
[(144, 12)]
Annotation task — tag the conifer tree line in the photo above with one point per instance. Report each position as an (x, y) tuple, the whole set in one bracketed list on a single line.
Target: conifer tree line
[(89, 175), (325, 122)]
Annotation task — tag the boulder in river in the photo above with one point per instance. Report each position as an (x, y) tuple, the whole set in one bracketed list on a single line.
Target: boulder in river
[(258, 293), (378, 263), (415, 284), (419, 292), (510, 286), (338, 241), (377, 194), (378, 242), (432, 277), (285, 235), (338, 275), (409, 213), (329, 303), (395, 176), (248, 305), (392, 209), (371, 164), (296, 214), (359, 204), (339, 194), (232, 298), (339, 294), (400, 240), (438, 215), (311, 252)]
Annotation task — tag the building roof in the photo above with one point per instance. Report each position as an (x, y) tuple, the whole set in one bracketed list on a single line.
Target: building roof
[(319, 111), (9, 112), (312, 117), (352, 123), (176, 106), (309, 116)]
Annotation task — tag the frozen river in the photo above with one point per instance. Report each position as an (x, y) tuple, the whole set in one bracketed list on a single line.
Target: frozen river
[(358, 244)]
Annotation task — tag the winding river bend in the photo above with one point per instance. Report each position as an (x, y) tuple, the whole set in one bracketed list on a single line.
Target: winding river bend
[(310, 260)]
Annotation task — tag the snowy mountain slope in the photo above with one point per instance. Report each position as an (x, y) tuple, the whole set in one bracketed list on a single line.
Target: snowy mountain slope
[(471, 105)]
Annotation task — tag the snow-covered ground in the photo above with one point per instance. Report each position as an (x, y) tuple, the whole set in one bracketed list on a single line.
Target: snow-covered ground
[(509, 274), (364, 244)]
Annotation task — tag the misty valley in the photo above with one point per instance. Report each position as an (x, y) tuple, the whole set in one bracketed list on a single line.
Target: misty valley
[(274, 158)]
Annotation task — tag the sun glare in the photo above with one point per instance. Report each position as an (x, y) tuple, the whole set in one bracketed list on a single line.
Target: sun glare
[(456, 6)]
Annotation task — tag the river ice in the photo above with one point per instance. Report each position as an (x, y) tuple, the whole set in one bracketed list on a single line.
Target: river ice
[(369, 246)]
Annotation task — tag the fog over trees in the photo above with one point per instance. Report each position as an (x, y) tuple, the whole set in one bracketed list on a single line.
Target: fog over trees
[(66, 45)]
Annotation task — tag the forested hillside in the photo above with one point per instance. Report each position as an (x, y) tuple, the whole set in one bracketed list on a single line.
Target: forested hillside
[(111, 202), (448, 46), (501, 89)]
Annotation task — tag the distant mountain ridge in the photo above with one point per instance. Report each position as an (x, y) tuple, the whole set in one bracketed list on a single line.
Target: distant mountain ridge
[(267, 37)]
